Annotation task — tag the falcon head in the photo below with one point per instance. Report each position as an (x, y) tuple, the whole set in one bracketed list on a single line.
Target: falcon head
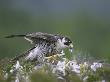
[(65, 42)]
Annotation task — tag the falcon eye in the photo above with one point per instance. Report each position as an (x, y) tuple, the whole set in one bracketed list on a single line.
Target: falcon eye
[(66, 43), (68, 40)]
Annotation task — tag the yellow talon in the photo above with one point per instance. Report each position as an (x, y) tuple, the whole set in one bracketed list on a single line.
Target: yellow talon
[(52, 58)]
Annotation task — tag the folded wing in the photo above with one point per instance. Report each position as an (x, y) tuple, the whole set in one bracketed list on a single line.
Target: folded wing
[(37, 37)]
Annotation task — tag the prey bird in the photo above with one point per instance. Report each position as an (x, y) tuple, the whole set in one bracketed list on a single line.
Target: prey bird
[(45, 45)]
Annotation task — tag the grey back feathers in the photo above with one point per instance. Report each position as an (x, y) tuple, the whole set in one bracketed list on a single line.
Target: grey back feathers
[(38, 36)]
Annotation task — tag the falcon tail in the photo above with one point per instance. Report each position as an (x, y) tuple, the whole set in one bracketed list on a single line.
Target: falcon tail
[(12, 36)]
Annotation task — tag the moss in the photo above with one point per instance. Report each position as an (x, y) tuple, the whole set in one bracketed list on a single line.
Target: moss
[(41, 76)]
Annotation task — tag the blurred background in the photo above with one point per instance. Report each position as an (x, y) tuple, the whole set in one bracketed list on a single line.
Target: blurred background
[(87, 22)]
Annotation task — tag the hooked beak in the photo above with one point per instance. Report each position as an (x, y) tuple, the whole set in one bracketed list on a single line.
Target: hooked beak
[(71, 47), (71, 51)]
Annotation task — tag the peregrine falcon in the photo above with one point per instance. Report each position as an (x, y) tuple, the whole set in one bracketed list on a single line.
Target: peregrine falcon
[(45, 45)]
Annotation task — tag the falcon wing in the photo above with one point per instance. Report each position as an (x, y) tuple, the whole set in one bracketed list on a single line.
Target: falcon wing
[(22, 55), (39, 36)]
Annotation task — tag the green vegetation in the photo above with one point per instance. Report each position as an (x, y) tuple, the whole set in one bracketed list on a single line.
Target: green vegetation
[(61, 70)]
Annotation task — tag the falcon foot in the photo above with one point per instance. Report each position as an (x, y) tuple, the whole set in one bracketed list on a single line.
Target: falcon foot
[(53, 58)]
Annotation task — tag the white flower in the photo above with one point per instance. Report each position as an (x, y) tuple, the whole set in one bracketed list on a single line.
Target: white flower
[(60, 68), (74, 67), (27, 79), (103, 81), (6, 76), (17, 79), (61, 64), (39, 66), (60, 78), (85, 78), (64, 59), (85, 64), (11, 71), (17, 66), (95, 66)]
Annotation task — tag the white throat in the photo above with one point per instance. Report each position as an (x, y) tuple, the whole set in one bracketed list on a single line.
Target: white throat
[(60, 44)]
